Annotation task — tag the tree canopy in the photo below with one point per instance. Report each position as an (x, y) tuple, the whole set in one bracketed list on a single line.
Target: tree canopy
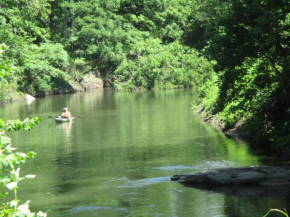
[(132, 44)]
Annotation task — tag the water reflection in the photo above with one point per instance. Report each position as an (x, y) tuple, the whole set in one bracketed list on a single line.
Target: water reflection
[(95, 208), (66, 128), (144, 182), (117, 159), (240, 201)]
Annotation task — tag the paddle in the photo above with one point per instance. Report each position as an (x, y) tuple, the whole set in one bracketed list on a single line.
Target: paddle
[(78, 116)]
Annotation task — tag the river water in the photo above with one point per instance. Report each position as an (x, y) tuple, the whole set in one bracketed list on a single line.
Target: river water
[(117, 159)]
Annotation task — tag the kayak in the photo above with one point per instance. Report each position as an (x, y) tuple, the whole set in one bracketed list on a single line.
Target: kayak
[(59, 119)]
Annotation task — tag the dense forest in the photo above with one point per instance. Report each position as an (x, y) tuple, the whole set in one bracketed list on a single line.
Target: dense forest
[(131, 44), (236, 53)]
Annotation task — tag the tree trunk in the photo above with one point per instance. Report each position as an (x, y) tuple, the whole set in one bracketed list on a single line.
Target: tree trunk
[(51, 16), (72, 22), (65, 23)]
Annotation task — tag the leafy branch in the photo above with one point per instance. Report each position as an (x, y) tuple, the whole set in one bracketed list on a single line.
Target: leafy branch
[(10, 162)]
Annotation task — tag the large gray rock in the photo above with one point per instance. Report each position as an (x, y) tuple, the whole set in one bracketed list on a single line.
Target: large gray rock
[(90, 82), (263, 176), (29, 97)]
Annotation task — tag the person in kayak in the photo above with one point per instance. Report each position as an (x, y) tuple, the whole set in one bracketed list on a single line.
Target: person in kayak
[(66, 113)]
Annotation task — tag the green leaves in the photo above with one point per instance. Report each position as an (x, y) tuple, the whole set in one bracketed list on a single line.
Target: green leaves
[(40, 68), (284, 213), (27, 124), (10, 162), (115, 39), (137, 44), (250, 42), (163, 66), (5, 64)]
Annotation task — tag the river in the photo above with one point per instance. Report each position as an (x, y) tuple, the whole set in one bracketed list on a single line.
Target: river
[(117, 156)]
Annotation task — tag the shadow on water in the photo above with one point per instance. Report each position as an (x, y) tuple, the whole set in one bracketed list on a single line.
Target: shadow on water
[(243, 191), (241, 201)]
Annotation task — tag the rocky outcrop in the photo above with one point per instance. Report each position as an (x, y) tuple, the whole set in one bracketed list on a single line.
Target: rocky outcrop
[(18, 97), (90, 82), (29, 97), (260, 176)]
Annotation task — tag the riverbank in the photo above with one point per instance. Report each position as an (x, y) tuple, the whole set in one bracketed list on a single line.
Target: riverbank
[(268, 138), (89, 82), (235, 132), (16, 96)]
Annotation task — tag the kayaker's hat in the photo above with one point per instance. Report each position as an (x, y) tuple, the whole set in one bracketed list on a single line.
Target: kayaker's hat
[(65, 109)]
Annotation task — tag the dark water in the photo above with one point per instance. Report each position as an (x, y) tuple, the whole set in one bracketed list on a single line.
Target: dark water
[(117, 159)]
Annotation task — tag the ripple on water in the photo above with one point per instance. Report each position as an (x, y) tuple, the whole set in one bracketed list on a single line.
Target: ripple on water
[(114, 180), (144, 182), (95, 208), (176, 167)]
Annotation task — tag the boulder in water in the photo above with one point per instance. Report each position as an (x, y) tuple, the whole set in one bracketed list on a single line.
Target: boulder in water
[(253, 175)]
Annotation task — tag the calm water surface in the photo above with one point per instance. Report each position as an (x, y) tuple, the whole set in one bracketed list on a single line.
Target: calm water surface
[(118, 158)]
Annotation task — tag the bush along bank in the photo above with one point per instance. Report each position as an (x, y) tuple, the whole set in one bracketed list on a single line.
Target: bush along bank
[(259, 115), (250, 91), (40, 73)]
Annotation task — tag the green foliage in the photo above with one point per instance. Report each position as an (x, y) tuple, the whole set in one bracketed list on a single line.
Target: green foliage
[(277, 210), (26, 19), (7, 83), (250, 42), (208, 95), (5, 66), (27, 124), (134, 44), (40, 64), (163, 66), (10, 162), (137, 48), (151, 44), (166, 20), (40, 68)]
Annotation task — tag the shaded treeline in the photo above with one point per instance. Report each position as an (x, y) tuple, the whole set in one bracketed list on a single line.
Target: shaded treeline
[(250, 40), (130, 44)]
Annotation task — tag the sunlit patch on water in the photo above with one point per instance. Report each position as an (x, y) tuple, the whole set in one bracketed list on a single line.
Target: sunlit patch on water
[(207, 165), (177, 167), (144, 182), (114, 180), (94, 208), (217, 164)]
